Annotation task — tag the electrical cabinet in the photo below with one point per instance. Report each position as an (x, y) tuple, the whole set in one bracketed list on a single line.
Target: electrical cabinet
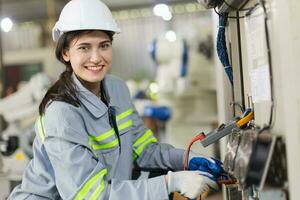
[(263, 46)]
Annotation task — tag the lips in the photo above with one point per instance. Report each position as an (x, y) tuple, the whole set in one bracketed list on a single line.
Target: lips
[(94, 68)]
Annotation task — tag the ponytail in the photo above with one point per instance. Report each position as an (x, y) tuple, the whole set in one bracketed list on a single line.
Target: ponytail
[(63, 89)]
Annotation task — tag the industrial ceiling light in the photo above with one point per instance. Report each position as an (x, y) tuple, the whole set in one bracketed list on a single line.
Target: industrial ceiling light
[(6, 24), (167, 16), (162, 10)]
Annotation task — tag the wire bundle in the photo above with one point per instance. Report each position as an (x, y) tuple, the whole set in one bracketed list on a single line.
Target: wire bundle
[(221, 47)]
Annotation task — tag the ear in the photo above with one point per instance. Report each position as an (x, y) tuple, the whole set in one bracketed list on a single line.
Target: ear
[(66, 55)]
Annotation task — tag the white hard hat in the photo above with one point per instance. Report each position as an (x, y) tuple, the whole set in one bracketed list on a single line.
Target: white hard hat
[(84, 15)]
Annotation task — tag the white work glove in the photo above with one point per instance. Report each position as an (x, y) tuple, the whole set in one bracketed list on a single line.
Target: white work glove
[(190, 183)]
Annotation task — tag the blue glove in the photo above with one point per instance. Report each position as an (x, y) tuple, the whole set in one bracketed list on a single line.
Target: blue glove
[(210, 166)]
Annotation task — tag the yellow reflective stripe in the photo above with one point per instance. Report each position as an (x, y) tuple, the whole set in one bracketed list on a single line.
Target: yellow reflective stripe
[(106, 146), (139, 150), (41, 127), (124, 114), (111, 132), (43, 124), (143, 138), (98, 191), (125, 125), (103, 136), (89, 184)]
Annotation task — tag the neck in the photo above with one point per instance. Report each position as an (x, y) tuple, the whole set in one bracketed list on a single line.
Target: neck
[(93, 87)]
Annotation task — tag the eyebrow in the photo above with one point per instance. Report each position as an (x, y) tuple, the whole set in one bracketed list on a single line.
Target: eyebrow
[(87, 43)]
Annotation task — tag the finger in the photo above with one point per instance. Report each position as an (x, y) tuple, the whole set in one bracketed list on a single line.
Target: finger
[(205, 164), (208, 175), (218, 162), (214, 167), (211, 183)]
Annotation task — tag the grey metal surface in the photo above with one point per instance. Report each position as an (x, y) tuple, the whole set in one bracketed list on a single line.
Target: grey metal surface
[(4, 187), (275, 194), (219, 133), (233, 4)]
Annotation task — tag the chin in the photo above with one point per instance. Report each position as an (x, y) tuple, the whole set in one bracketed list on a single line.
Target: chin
[(95, 80)]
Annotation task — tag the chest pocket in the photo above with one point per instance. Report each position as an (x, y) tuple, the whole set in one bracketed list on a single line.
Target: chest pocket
[(124, 121), (106, 144), (105, 147)]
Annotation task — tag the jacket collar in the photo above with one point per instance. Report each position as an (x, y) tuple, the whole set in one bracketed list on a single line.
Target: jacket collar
[(89, 100)]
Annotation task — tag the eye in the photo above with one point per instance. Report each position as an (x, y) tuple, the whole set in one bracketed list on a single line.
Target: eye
[(105, 45), (83, 48)]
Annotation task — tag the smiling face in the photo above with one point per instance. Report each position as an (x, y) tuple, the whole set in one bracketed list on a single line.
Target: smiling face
[(90, 56)]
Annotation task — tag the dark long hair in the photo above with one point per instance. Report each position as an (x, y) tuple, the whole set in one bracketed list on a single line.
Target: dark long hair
[(64, 89)]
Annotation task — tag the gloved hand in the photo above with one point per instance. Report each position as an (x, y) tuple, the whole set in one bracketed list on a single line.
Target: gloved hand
[(205, 164), (189, 183)]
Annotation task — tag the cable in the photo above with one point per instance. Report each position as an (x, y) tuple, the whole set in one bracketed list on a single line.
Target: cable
[(236, 104), (221, 47), (245, 120), (230, 17), (270, 123), (249, 11), (200, 136), (241, 9), (236, 153)]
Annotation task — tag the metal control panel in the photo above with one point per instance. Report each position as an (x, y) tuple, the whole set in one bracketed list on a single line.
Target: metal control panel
[(230, 5), (256, 159)]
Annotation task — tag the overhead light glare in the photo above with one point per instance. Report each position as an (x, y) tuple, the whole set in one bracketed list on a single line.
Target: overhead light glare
[(154, 87), (167, 16), (6, 24), (171, 36), (161, 9)]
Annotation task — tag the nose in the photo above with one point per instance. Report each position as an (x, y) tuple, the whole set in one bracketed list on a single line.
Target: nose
[(95, 57)]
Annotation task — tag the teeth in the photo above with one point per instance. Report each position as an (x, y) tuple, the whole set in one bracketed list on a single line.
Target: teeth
[(94, 67)]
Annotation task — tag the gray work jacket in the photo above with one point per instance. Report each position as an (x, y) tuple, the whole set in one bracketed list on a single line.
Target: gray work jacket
[(77, 154)]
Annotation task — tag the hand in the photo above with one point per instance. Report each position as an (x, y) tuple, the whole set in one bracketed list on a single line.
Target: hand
[(205, 164), (189, 183)]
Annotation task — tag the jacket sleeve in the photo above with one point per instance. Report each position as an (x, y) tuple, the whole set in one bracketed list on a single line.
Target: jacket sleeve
[(150, 154), (81, 175)]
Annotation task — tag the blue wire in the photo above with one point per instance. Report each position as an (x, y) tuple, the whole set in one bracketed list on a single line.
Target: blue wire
[(221, 47), (153, 50), (185, 59)]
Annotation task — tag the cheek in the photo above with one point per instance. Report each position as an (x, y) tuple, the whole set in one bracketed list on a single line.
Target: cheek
[(77, 60), (108, 56)]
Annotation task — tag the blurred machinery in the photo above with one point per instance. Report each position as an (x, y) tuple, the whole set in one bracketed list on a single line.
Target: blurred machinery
[(186, 84), (18, 113), (171, 56), (155, 116)]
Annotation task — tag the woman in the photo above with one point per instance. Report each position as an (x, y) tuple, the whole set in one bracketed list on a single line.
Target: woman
[(89, 136)]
